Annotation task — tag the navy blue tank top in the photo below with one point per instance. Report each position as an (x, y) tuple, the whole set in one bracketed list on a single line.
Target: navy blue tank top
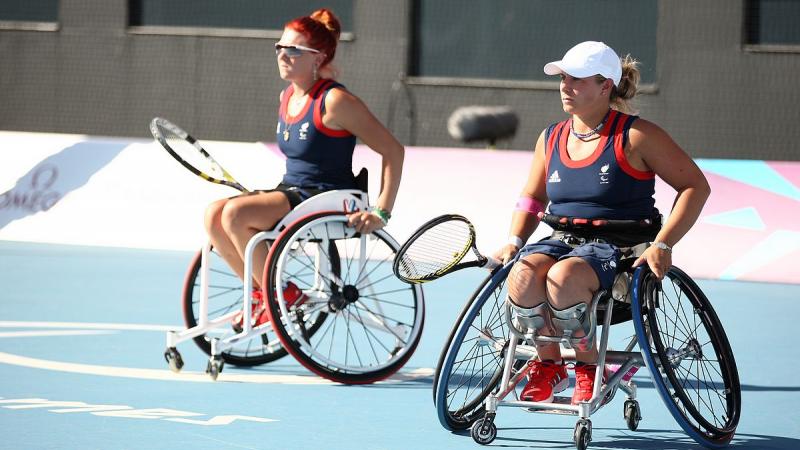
[(317, 156), (602, 186)]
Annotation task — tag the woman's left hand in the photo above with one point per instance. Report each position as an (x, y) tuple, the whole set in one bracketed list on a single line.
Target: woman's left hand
[(658, 259), (365, 221)]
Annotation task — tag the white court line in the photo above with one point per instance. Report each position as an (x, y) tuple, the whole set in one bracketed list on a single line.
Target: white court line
[(47, 333), (155, 374), (200, 377), (89, 325)]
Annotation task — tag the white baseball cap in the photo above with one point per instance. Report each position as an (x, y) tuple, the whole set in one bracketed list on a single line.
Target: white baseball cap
[(587, 59)]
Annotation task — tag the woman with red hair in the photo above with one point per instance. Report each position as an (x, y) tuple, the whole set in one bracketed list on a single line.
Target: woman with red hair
[(319, 121)]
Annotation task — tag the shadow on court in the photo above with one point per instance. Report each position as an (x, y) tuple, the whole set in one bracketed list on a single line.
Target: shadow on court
[(614, 438)]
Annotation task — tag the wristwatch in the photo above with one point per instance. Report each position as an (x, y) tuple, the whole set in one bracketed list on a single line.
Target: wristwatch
[(662, 246)]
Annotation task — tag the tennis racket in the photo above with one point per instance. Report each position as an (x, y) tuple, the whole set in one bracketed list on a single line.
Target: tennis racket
[(438, 248), (188, 151)]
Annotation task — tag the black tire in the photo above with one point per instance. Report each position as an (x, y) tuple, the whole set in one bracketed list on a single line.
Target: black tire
[(482, 433), (453, 330), (632, 414), (582, 434), (462, 381), (688, 355), (225, 296), (374, 320)]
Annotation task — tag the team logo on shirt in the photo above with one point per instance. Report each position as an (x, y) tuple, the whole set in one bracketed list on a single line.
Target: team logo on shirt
[(304, 131), (609, 265), (554, 178), (604, 178)]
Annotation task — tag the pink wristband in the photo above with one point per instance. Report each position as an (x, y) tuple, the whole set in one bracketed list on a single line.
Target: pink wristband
[(530, 206)]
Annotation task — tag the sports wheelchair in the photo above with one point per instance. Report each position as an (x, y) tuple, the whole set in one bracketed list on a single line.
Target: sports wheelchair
[(331, 298), (679, 336)]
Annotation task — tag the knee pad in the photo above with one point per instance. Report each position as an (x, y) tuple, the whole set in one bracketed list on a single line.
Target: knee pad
[(621, 289), (574, 318), (534, 318)]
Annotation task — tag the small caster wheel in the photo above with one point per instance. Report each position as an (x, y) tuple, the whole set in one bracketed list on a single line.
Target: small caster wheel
[(214, 367), (583, 434), (174, 359), (632, 414), (483, 431)]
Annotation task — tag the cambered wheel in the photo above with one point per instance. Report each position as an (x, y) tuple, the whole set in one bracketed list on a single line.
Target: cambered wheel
[(224, 296), (471, 365), (688, 355), (373, 320)]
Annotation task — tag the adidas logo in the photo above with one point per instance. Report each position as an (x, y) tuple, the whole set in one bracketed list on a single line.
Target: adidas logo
[(554, 178)]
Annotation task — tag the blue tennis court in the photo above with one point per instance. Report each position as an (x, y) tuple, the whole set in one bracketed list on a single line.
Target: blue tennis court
[(82, 332)]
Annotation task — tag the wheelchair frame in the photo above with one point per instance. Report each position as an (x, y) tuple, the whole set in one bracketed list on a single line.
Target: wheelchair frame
[(479, 413), (346, 201)]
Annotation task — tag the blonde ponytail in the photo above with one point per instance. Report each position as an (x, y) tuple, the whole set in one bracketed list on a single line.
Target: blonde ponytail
[(622, 95)]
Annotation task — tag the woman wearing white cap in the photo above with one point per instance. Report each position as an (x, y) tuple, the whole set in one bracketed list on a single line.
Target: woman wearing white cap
[(599, 164)]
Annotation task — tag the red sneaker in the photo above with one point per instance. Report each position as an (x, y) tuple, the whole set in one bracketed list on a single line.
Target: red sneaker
[(584, 383), (259, 311), (291, 294), (544, 380)]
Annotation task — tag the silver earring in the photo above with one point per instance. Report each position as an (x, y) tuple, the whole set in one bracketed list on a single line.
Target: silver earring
[(316, 76)]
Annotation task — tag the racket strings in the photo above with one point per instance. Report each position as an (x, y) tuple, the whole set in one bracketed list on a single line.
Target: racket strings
[(436, 250), (190, 154)]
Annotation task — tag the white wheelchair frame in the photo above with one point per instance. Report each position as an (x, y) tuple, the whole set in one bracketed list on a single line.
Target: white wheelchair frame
[(345, 200)]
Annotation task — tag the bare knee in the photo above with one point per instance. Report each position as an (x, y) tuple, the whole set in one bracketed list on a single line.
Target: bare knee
[(569, 282), (526, 282), (238, 217), (231, 217), (213, 217)]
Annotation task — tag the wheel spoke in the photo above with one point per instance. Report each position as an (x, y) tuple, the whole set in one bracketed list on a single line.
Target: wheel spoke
[(691, 371)]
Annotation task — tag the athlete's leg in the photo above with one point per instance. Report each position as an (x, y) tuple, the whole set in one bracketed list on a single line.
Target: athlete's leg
[(526, 288), (245, 216), (571, 281), (219, 238)]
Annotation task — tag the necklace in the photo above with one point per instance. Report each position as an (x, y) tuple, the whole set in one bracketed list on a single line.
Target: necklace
[(590, 133), (294, 103), (286, 132)]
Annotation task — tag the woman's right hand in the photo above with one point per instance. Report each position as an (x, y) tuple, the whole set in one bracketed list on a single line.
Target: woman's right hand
[(506, 253)]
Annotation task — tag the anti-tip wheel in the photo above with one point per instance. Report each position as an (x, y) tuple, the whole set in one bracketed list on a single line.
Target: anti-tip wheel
[(583, 434), (174, 359), (632, 414), (483, 431), (214, 367)]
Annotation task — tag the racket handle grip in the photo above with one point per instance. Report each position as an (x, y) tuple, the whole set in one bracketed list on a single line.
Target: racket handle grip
[(491, 263)]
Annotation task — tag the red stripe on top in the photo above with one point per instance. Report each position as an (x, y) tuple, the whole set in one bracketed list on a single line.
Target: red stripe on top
[(321, 126), (622, 160), (287, 94), (551, 141), (604, 134)]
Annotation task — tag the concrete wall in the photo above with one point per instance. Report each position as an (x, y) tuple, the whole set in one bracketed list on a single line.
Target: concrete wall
[(93, 76)]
